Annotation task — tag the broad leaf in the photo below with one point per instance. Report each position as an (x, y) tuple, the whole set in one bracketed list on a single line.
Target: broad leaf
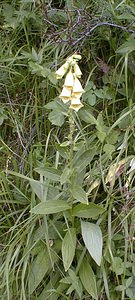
[(92, 237), (49, 172), (38, 270), (80, 162), (68, 248), (79, 194), (86, 115), (91, 210), (50, 207), (88, 278), (56, 118)]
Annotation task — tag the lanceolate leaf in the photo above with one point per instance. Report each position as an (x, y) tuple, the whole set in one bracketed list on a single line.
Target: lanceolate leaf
[(51, 173), (88, 278), (79, 194), (91, 210), (76, 284), (38, 270), (50, 207), (92, 237), (68, 248), (84, 159)]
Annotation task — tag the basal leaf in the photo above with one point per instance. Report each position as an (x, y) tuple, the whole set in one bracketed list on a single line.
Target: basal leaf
[(92, 237), (68, 248), (88, 278), (50, 207)]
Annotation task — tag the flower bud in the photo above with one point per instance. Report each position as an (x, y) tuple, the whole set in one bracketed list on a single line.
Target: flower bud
[(77, 56)]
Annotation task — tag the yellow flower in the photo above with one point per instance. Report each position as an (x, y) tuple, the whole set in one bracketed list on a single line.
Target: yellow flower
[(62, 70), (65, 94), (77, 87), (76, 95), (69, 80), (77, 70), (76, 103)]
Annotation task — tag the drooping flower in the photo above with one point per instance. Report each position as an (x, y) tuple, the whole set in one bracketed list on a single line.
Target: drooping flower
[(69, 80), (62, 70), (65, 94), (76, 103), (77, 71), (77, 87)]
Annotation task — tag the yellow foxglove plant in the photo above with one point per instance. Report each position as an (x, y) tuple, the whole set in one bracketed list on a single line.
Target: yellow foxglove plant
[(72, 88)]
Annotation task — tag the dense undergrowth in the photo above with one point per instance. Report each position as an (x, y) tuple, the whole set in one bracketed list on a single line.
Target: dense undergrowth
[(67, 178)]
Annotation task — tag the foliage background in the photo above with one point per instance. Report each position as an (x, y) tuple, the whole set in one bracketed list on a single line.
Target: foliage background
[(45, 159)]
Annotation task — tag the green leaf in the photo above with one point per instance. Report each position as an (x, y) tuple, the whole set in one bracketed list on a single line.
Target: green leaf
[(56, 118), (68, 248), (91, 210), (49, 172), (101, 135), (38, 188), (65, 175), (79, 194), (35, 67), (76, 284), (88, 278), (80, 162), (109, 149), (92, 99), (38, 269), (86, 115), (50, 207), (127, 47), (92, 237), (99, 93)]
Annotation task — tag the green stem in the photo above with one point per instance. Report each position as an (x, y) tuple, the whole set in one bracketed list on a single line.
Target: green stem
[(70, 157), (36, 111), (70, 137)]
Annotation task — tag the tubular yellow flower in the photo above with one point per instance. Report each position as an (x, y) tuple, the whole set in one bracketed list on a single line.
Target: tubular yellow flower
[(62, 70), (76, 104), (69, 80), (77, 87), (76, 95), (65, 94), (77, 70)]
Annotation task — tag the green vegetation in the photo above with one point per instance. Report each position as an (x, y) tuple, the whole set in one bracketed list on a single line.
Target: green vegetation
[(67, 178)]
